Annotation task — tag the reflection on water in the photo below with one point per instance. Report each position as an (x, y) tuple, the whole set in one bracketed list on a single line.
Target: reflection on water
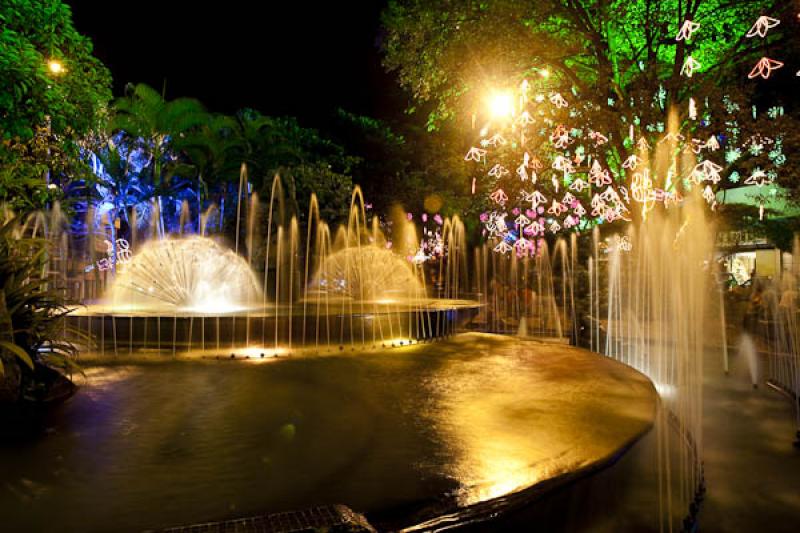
[(154, 445)]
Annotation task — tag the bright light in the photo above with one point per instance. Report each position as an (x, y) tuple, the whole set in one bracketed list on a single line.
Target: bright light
[(55, 66), (544, 73), (501, 105)]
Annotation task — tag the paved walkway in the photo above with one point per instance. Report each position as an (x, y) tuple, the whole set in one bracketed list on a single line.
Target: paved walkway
[(752, 469)]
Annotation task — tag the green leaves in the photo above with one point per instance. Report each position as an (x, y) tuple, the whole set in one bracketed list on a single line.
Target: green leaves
[(43, 117), (19, 352), (31, 310)]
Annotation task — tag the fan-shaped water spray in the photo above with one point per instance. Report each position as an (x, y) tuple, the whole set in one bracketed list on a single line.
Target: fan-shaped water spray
[(367, 273), (193, 273)]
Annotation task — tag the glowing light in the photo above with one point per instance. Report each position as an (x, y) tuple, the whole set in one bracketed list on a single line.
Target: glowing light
[(686, 31), (499, 197), (692, 109), (503, 247), (501, 105), (557, 100), (498, 171), (764, 68), (475, 154), (762, 26), (712, 144), (706, 171), (598, 138), (556, 208), (578, 185), (535, 198), (690, 65), (758, 178), (55, 67), (631, 162)]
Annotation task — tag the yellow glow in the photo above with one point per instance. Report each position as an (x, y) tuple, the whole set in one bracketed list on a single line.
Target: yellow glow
[(544, 73), (55, 66), (501, 105)]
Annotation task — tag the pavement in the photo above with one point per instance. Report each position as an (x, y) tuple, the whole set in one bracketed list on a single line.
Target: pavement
[(752, 469)]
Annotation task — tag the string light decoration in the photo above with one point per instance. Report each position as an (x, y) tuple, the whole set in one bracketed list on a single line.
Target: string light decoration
[(553, 169), (687, 29), (690, 65), (764, 68), (762, 26)]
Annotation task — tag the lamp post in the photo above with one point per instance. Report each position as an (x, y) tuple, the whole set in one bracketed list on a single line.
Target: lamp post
[(56, 69)]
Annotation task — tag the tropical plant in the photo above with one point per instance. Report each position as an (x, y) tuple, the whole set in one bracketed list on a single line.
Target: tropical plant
[(45, 113), (32, 310), (149, 123)]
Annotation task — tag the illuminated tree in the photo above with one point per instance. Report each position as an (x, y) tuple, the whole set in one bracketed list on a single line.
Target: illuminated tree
[(669, 73), (53, 92)]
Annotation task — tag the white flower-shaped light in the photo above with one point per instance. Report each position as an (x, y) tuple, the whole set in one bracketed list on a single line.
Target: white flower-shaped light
[(496, 140), (535, 198), (690, 65), (598, 138), (499, 197), (498, 171), (563, 164), (631, 162), (687, 29), (712, 144), (503, 247), (475, 154), (556, 208), (578, 185), (762, 26), (522, 173), (557, 100), (522, 220)]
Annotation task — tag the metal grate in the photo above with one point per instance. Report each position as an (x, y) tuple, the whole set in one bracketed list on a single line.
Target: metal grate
[(330, 518)]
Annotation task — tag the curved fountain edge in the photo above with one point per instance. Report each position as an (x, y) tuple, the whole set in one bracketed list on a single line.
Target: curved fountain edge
[(491, 509)]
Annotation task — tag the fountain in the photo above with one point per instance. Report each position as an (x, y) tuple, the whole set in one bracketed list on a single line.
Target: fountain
[(349, 294), (192, 274), (194, 294)]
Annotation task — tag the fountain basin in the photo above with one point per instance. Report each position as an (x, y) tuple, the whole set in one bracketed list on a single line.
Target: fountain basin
[(312, 323), (405, 435)]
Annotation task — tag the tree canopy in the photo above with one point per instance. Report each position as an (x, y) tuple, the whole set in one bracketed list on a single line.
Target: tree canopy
[(604, 80), (53, 92)]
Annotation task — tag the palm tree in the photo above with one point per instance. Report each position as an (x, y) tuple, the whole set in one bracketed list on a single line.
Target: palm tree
[(153, 122), (212, 151)]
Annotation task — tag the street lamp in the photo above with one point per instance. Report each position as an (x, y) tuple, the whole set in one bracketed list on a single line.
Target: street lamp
[(55, 67), (501, 105)]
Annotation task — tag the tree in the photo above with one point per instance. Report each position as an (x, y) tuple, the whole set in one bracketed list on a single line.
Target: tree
[(44, 113), (599, 81), (149, 123)]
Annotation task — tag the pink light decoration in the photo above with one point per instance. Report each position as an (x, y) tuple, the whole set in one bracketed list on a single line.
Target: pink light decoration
[(764, 68)]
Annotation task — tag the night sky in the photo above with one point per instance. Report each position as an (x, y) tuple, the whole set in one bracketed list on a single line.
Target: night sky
[(289, 58)]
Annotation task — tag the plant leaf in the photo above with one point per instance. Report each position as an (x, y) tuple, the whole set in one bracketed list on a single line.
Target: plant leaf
[(19, 352)]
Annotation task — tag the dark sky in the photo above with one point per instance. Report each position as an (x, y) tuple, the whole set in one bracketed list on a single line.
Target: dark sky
[(282, 58)]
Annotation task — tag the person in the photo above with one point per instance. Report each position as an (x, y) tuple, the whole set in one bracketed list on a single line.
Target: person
[(754, 307)]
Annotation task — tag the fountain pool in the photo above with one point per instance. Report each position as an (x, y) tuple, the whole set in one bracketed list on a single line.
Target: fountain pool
[(404, 436)]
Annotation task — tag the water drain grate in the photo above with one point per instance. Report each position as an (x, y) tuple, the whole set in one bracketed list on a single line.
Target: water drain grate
[(331, 518)]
